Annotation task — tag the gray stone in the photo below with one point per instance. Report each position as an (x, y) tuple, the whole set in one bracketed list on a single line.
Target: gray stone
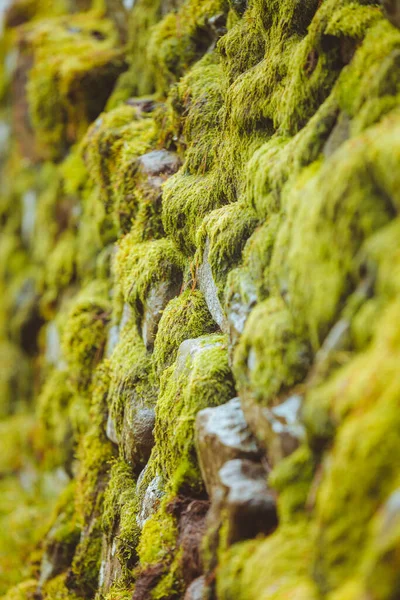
[(53, 345), (28, 219), (241, 297), (137, 439), (188, 350), (243, 503), (149, 496), (196, 590), (110, 567), (278, 429), (156, 301), (111, 430), (222, 434), (209, 289), (340, 133), (336, 341), (392, 11)]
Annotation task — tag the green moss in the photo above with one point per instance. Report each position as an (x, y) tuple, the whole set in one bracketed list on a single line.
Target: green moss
[(53, 405), (270, 357), (73, 71), (57, 589), (194, 113), (23, 591), (369, 87), (185, 317), (119, 517), (130, 375), (139, 79), (201, 378), (158, 539), (365, 448), (186, 201), (111, 148), (61, 266), (226, 230), (95, 452), (85, 331), (140, 267), (181, 38), (270, 569), (292, 478), (15, 382)]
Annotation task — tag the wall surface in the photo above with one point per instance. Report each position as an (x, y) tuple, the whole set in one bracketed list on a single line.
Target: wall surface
[(200, 300)]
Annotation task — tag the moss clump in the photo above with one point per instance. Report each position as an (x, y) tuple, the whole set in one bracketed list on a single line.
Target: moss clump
[(141, 267), (130, 375), (200, 378), (270, 357), (365, 410), (292, 478), (119, 517), (56, 434), (15, 382), (227, 230), (138, 80), (185, 317), (194, 117), (110, 149), (84, 334), (183, 37), (269, 569), (75, 63)]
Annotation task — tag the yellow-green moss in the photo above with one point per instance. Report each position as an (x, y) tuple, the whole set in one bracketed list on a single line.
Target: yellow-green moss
[(185, 317), (140, 267), (269, 569), (85, 331), (75, 63), (199, 379), (270, 357)]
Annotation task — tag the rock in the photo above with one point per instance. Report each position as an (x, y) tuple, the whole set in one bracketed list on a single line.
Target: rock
[(190, 515), (239, 6), (391, 9), (28, 219), (111, 430), (150, 497), (337, 340), (110, 567), (242, 507), (114, 333), (112, 340), (222, 434), (143, 105), (156, 301), (158, 165), (340, 133), (210, 291), (137, 439), (188, 350), (196, 590), (53, 346), (241, 297), (278, 429)]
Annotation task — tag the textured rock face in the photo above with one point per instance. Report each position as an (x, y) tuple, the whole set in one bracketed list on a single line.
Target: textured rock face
[(200, 316)]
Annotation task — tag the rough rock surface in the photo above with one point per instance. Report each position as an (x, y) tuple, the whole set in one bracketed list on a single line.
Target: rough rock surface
[(222, 434)]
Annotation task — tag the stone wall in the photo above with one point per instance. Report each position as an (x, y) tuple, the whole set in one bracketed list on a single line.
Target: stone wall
[(200, 316)]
